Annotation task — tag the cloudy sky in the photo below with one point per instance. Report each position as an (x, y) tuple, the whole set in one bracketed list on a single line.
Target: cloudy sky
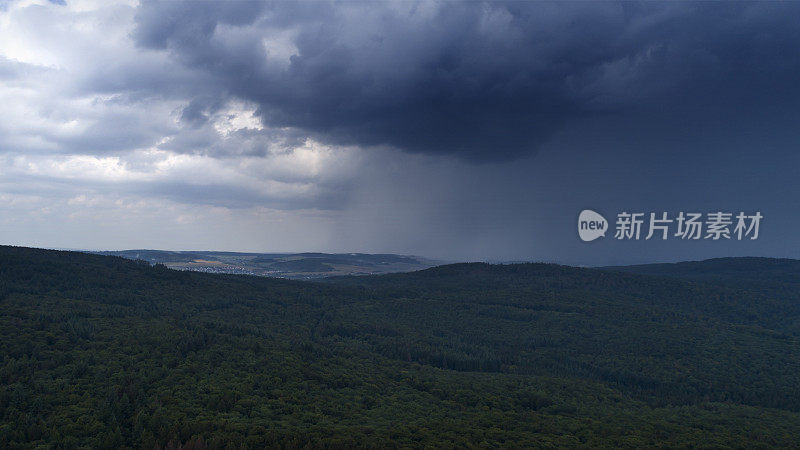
[(455, 130)]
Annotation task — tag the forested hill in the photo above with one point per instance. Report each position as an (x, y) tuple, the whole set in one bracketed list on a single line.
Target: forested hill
[(103, 352), (724, 290), (757, 271), (772, 278)]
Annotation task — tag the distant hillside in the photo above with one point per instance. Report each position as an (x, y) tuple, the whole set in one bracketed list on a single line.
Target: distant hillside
[(105, 352), (282, 265), (762, 275), (748, 268)]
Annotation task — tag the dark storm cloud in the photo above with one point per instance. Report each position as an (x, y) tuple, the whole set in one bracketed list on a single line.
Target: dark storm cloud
[(484, 81)]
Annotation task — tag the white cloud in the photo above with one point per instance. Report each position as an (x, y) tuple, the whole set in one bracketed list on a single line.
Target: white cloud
[(86, 110), (237, 115)]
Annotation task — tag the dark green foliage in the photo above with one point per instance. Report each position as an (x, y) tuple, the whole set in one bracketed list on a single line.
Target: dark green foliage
[(103, 352)]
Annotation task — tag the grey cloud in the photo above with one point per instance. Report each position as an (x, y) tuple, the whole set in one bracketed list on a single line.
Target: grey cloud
[(200, 137), (197, 112), (140, 78), (15, 71), (207, 191), (162, 23), (236, 197), (112, 133)]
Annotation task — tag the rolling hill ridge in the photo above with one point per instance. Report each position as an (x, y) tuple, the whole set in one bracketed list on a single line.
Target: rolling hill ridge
[(107, 352)]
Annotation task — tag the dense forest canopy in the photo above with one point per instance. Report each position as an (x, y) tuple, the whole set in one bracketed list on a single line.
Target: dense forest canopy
[(103, 352)]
